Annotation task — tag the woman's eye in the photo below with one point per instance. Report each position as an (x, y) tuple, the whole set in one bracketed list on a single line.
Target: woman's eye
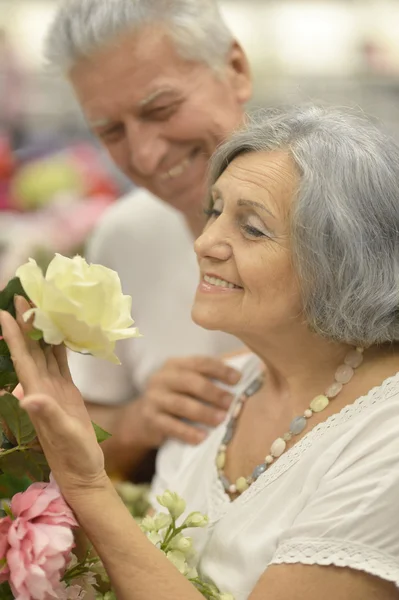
[(250, 230)]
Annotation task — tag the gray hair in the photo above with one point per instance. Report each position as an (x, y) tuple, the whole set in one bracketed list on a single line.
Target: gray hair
[(344, 219), (81, 27)]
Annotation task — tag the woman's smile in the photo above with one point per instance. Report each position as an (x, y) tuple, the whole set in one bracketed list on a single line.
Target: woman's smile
[(212, 283)]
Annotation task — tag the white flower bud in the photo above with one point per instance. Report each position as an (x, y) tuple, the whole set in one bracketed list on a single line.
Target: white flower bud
[(154, 538), (179, 560), (192, 573), (181, 543), (173, 503), (148, 524), (162, 520), (196, 519)]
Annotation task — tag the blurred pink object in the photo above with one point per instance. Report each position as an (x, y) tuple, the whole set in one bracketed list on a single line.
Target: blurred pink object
[(39, 541), (5, 525), (18, 392)]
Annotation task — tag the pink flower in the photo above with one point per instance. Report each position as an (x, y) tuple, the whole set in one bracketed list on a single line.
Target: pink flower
[(38, 541), (43, 503)]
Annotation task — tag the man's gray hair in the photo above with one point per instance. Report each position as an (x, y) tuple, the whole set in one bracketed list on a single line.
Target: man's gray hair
[(81, 27), (344, 218)]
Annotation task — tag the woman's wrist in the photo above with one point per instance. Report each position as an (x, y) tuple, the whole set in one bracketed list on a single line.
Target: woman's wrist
[(80, 493)]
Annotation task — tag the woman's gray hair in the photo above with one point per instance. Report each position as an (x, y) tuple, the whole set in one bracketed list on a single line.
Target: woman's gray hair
[(344, 219), (81, 27)]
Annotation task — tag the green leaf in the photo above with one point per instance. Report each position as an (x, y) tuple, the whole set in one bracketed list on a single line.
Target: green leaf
[(4, 351), (13, 288), (5, 592), (6, 364), (10, 485), (25, 463), (36, 335), (16, 419), (101, 434), (8, 379)]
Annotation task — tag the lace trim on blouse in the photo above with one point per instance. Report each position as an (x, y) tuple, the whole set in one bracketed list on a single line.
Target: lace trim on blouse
[(219, 502), (340, 554)]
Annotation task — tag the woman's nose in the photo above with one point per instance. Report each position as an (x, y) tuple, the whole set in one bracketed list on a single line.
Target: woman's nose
[(213, 243)]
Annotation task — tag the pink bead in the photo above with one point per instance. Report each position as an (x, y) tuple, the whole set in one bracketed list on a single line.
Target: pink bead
[(334, 390), (354, 359), (344, 374)]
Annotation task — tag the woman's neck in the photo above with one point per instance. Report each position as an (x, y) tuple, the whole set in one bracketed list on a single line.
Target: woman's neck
[(301, 364)]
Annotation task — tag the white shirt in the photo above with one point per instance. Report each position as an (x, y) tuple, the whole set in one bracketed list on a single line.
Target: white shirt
[(151, 247), (331, 499)]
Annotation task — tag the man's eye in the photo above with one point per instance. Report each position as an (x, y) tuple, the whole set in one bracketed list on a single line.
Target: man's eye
[(162, 112), (112, 133)]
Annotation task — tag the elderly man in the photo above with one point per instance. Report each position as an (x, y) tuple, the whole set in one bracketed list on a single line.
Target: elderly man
[(161, 83)]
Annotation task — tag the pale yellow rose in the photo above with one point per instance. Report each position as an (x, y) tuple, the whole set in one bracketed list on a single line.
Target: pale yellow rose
[(78, 304)]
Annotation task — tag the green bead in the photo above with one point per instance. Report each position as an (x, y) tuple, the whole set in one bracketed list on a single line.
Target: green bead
[(221, 460), (241, 484), (319, 403)]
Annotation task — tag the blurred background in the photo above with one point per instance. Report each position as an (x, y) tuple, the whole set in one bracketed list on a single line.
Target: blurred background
[(55, 182)]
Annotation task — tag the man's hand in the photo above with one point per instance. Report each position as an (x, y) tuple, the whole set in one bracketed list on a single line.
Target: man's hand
[(184, 389)]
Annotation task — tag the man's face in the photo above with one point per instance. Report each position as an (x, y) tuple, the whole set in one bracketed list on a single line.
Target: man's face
[(160, 116)]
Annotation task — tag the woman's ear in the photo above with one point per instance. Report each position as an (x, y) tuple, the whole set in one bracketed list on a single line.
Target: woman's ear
[(239, 73)]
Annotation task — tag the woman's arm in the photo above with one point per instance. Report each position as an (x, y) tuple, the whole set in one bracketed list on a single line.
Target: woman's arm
[(137, 569)]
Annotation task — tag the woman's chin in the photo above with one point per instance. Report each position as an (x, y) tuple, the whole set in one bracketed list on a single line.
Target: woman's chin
[(208, 319)]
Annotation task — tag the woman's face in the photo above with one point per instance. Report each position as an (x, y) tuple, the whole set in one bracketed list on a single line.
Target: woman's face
[(247, 284)]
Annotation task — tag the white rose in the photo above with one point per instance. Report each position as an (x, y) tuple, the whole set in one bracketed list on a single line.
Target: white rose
[(78, 304)]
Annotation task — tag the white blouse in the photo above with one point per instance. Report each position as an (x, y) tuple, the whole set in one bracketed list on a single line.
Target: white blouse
[(331, 499)]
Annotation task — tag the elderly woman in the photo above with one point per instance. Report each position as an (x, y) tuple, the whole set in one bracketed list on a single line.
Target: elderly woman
[(299, 259)]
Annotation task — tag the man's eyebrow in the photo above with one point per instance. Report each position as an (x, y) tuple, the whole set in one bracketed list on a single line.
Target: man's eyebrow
[(97, 123), (154, 95)]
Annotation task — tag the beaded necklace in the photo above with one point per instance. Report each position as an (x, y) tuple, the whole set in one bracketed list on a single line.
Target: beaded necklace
[(343, 375)]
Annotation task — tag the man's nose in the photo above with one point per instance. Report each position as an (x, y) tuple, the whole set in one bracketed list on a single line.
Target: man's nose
[(146, 147)]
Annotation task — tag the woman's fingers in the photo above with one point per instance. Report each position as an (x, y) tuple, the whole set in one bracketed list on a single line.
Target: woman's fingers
[(24, 364), (60, 354), (22, 306)]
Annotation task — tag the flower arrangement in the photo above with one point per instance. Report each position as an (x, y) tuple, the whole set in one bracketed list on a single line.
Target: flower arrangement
[(50, 202), (83, 307)]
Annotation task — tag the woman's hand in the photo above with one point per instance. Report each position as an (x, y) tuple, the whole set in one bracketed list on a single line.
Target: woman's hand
[(55, 407)]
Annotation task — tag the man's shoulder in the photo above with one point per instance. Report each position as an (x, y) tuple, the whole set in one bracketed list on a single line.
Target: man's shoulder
[(136, 207), (137, 216)]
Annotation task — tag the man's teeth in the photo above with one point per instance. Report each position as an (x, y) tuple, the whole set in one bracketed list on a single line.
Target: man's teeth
[(177, 170), (219, 282)]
